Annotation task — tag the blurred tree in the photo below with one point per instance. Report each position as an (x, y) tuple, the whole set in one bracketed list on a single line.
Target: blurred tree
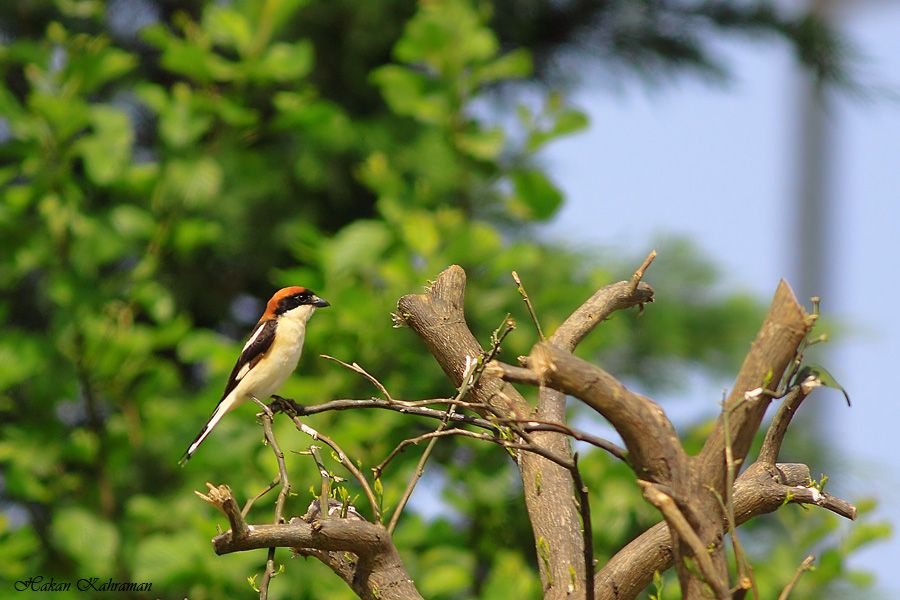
[(166, 165)]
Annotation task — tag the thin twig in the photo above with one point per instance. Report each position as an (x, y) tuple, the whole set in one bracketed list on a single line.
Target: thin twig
[(417, 474), (288, 407), (358, 369), (576, 434), (679, 524), (474, 435), (419, 408), (412, 407), (524, 294), (265, 491), (745, 569), (420, 466), (586, 530), (771, 445), (639, 273), (344, 460), (473, 372), (282, 468), (325, 491), (221, 497), (806, 565), (269, 573)]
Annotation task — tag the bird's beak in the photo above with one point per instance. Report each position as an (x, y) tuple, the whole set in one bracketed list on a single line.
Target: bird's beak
[(319, 302)]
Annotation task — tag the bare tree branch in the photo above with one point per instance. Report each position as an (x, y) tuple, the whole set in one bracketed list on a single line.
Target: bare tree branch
[(700, 497), (784, 328), (562, 461), (584, 505), (438, 318), (806, 565), (358, 369), (269, 573), (221, 497), (771, 446), (676, 520), (604, 302), (379, 572), (376, 572), (575, 434), (653, 448), (760, 489), (528, 305), (280, 405)]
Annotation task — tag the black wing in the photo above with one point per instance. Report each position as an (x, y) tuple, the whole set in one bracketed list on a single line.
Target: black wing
[(256, 347)]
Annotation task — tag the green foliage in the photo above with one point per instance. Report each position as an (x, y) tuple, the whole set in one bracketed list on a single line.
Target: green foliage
[(156, 186), (822, 534)]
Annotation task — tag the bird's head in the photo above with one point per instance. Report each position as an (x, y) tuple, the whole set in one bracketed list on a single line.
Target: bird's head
[(294, 302)]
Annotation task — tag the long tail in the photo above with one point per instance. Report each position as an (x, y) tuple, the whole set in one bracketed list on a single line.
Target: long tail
[(226, 404)]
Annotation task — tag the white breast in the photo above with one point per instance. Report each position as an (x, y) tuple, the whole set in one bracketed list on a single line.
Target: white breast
[(271, 372)]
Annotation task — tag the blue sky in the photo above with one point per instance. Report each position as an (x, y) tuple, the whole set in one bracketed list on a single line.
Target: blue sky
[(718, 165)]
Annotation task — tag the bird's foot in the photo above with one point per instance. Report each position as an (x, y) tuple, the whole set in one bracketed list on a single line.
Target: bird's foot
[(286, 405), (268, 411)]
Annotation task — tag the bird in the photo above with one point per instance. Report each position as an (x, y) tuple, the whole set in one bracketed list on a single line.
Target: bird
[(269, 356)]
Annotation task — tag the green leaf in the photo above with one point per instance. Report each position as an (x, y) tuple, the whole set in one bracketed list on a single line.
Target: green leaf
[(10, 107), (512, 65), (570, 121), (81, 9), (321, 121), (232, 112), (555, 120), (20, 358), (821, 376), (17, 551), (511, 579), (83, 446), (200, 345), (132, 221), (280, 11), (189, 234), (188, 58), (420, 233), (181, 123), (535, 196), (356, 247), (411, 94), (156, 300), (862, 534), (94, 69), (152, 95), (287, 62), (228, 28), (445, 571), (447, 36), (195, 182), (155, 560), (86, 538), (66, 116), (483, 145), (107, 151)]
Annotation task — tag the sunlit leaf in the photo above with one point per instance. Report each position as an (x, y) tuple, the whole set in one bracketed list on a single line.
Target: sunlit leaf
[(821, 376), (535, 195), (107, 150), (287, 62), (86, 537)]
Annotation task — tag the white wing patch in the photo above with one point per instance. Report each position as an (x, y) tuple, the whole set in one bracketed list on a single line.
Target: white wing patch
[(252, 339), (243, 372)]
